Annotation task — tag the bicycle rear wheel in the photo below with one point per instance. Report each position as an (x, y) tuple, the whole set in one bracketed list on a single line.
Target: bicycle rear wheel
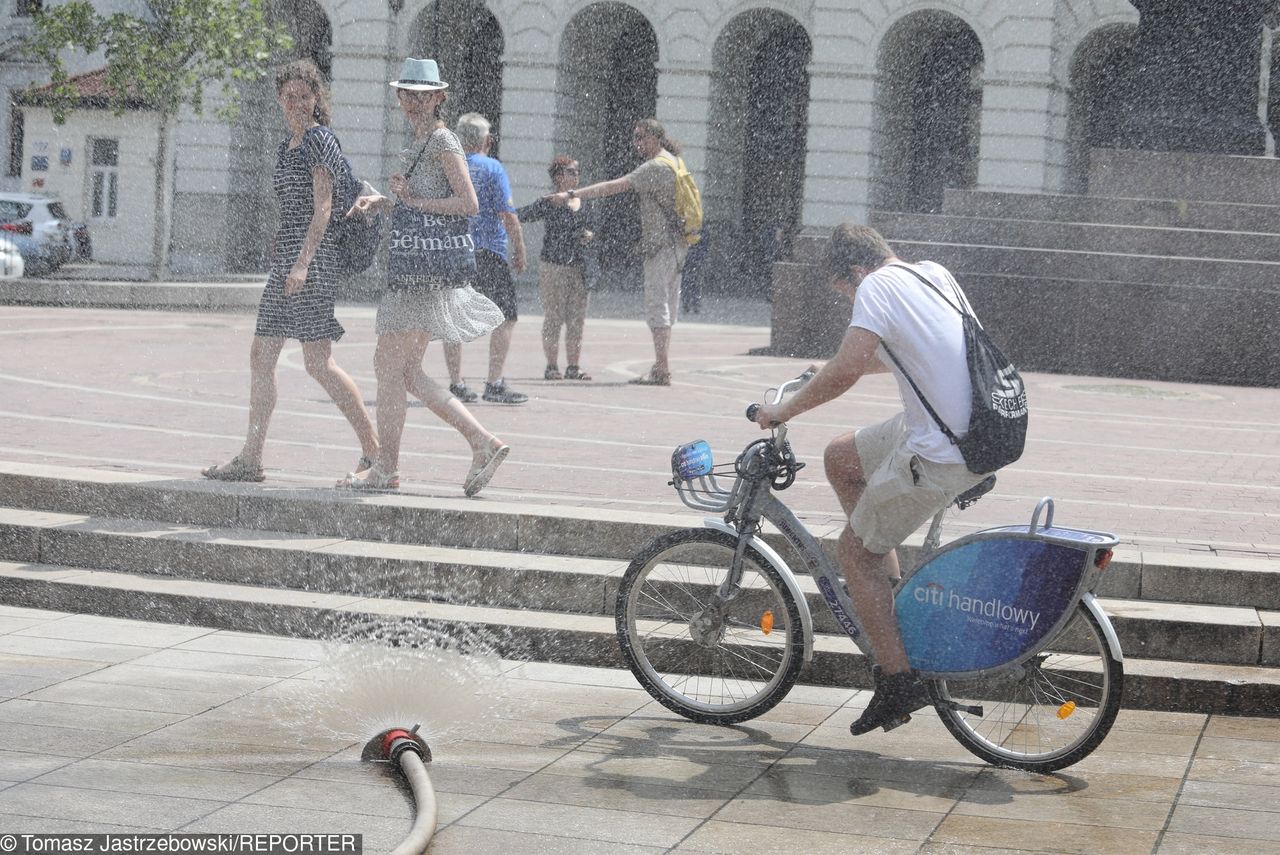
[(1049, 713), (710, 660)]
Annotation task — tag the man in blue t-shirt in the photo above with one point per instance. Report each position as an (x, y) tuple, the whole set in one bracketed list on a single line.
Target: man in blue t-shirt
[(493, 229)]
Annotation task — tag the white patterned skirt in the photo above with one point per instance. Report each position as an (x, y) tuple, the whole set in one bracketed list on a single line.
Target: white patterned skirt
[(450, 314)]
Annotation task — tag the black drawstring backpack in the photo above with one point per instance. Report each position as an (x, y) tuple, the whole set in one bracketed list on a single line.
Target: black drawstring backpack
[(998, 421)]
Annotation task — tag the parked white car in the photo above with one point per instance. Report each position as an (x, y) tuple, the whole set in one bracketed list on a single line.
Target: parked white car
[(11, 264), (42, 231)]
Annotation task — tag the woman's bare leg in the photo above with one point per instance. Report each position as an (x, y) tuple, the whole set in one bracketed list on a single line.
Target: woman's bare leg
[(264, 353), (391, 363), (320, 364), (451, 411)]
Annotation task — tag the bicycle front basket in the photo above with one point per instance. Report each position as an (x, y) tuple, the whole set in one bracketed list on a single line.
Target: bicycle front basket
[(693, 474)]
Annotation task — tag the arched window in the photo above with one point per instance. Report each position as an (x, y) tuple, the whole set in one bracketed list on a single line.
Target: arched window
[(464, 38), (606, 82), (1100, 62), (928, 110), (256, 135), (756, 152)]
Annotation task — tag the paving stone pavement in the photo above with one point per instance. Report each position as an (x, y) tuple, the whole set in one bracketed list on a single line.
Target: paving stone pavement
[(109, 724), (1167, 466), (113, 725)]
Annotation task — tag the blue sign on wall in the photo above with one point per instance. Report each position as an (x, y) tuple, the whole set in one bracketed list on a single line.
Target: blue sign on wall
[(39, 163), (985, 602)]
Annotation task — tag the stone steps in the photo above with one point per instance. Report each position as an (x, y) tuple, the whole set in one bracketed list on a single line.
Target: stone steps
[(395, 521), (561, 583), (1084, 264), (540, 581), (1184, 175), (1027, 233), (1157, 213), (525, 633)]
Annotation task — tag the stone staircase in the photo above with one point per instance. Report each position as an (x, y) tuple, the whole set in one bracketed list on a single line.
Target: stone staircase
[(1200, 634), (1168, 269)]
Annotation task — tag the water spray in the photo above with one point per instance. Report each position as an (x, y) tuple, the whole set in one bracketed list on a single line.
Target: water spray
[(408, 752)]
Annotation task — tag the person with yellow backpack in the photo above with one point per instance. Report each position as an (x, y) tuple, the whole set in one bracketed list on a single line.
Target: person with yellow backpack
[(670, 221)]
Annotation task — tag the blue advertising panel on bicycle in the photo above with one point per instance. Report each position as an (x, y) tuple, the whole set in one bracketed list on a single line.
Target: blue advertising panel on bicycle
[(983, 603), (692, 460)]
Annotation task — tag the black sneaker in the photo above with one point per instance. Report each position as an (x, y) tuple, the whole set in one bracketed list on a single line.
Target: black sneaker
[(498, 393), (897, 697), (462, 393)]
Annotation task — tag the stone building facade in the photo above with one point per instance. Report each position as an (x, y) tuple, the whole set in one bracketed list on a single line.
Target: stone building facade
[(793, 113)]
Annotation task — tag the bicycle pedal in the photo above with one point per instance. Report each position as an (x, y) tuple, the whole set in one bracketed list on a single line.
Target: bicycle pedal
[(971, 709), (897, 722)]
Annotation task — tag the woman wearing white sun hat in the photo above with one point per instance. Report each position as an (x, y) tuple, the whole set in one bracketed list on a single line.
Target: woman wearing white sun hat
[(413, 311)]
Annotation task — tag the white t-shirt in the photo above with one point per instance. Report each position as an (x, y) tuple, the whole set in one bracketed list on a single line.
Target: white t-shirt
[(927, 336)]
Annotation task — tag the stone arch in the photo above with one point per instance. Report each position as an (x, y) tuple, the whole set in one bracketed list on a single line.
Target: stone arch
[(756, 150), (257, 132), (465, 38), (606, 81), (928, 107), (1098, 65)]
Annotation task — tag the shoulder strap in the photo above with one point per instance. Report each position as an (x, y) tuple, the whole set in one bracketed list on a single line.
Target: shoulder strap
[(941, 424), (418, 159), (944, 297)]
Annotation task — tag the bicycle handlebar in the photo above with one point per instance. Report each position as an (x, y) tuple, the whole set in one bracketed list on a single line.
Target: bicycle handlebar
[(785, 389)]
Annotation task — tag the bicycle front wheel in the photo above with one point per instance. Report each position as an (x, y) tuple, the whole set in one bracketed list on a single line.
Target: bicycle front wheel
[(711, 658), (1050, 712)]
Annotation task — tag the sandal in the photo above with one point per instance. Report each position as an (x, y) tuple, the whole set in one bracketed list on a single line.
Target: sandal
[(573, 372), (553, 373), (234, 470), (481, 472), (375, 479), (653, 378)]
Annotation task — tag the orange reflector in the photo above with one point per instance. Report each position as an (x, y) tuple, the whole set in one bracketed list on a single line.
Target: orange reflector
[(1066, 709), (1103, 559), (766, 622)]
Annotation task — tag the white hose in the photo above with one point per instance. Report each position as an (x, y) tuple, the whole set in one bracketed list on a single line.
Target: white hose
[(424, 826)]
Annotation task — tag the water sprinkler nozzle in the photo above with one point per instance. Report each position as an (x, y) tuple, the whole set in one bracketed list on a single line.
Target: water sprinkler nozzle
[(390, 744)]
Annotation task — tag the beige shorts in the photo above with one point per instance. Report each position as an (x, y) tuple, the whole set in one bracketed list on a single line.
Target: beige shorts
[(662, 286), (903, 490)]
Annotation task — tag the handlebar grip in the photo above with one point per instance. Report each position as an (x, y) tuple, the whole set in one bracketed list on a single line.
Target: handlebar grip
[(751, 412)]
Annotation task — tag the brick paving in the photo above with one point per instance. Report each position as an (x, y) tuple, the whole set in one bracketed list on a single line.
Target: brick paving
[(1167, 466)]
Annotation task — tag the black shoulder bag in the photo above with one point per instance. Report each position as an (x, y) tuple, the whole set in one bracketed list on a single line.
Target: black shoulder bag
[(998, 419)]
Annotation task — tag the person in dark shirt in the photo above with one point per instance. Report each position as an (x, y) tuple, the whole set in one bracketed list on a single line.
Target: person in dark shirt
[(562, 278)]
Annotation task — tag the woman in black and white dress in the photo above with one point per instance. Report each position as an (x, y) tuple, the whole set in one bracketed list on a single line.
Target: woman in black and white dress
[(298, 300), (434, 180)]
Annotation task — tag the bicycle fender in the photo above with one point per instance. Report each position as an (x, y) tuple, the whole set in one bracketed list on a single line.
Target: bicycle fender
[(1108, 631), (788, 578)]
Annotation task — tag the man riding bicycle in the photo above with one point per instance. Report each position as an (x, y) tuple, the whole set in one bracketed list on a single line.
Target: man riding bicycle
[(894, 476)]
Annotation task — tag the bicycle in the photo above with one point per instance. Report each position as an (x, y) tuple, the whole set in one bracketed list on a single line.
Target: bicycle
[(1024, 667)]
